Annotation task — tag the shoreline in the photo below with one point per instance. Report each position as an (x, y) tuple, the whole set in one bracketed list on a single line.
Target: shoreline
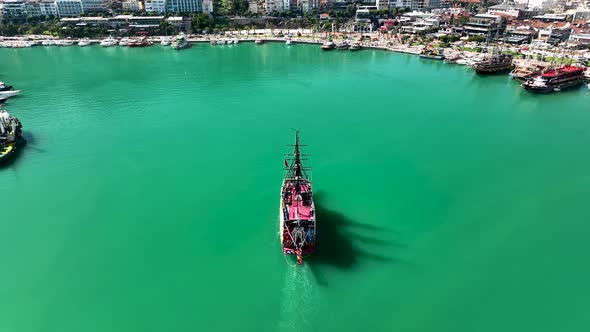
[(381, 44)]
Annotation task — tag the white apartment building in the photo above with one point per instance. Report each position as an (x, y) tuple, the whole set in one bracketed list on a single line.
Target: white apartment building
[(155, 6), (91, 6), (183, 6), (131, 5), (48, 7), (13, 8), (68, 8)]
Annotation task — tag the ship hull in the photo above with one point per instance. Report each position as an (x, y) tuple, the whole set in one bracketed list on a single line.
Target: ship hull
[(551, 88), (287, 245), (495, 70), (432, 57)]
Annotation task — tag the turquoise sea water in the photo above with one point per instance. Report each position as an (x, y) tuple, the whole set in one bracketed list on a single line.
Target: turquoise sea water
[(147, 197)]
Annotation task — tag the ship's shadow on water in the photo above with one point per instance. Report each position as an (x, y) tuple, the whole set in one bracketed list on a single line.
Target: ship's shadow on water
[(344, 243)]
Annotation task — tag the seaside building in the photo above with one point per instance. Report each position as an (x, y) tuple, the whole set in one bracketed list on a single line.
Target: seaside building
[(155, 6), (32, 8), (582, 13), (277, 6), (86, 21), (554, 34), (421, 26), (93, 6), (207, 6), (69, 8), (519, 34), (183, 6), (254, 7), (401, 3), (307, 5), (485, 25), (144, 22), (551, 17), (13, 9), (508, 8), (183, 23), (48, 7), (132, 5)]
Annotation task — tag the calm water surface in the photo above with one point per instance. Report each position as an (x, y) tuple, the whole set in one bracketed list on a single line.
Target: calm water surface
[(147, 197)]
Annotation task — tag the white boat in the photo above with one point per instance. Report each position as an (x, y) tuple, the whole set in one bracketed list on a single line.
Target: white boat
[(289, 42), (64, 43), (236, 40), (48, 42), (109, 42), (180, 42), (165, 41), (7, 94), (124, 41), (588, 85), (84, 42), (221, 42), (259, 41)]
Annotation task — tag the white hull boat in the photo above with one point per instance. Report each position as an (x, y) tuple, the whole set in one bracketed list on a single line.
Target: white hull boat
[(7, 94), (109, 42)]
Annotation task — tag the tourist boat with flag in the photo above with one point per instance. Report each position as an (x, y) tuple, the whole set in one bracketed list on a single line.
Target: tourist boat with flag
[(297, 219), (555, 79)]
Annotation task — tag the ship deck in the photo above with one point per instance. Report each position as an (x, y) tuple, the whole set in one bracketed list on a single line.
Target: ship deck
[(299, 206)]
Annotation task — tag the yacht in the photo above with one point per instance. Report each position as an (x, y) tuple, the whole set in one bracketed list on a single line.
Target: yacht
[(165, 41), (259, 41), (434, 54), (109, 42), (124, 41), (289, 42), (84, 42), (327, 46), (355, 46), (180, 42), (5, 87), (220, 42), (8, 94), (64, 43), (236, 40), (343, 46), (48, 42), (141, 42)]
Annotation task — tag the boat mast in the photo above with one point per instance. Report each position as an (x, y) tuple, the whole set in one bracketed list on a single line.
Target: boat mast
[(296, 157)]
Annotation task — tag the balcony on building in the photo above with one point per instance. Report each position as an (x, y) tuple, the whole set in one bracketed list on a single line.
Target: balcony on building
[(484, 25)]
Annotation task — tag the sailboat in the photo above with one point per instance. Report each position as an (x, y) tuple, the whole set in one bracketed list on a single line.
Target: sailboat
[(495, 62), (297, 219)]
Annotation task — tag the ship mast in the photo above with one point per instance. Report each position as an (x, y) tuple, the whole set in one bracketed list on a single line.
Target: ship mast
[(296, 157), (296, 171)]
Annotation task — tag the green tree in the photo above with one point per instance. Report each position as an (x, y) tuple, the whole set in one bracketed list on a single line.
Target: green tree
[(241, 7), (202, 22), (226, 7)]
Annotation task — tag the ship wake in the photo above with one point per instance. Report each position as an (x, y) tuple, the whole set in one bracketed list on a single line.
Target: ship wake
[(299, 300)]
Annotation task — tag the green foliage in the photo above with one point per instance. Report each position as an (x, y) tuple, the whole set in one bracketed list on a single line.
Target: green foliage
[(458, 21), (202, 22), (226, 7), (449, 39), (240, 7), (166, 28), (479, 39)]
